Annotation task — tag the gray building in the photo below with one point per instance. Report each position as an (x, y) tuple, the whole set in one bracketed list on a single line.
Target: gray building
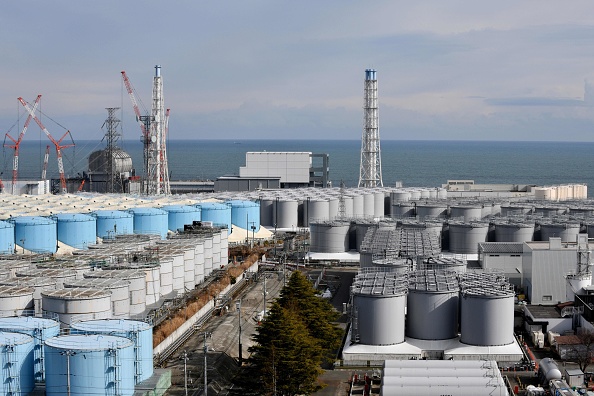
[(505, 257)]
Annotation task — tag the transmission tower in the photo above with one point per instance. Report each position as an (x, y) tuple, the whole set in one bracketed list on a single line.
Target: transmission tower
[(112, 136), (370, 173)]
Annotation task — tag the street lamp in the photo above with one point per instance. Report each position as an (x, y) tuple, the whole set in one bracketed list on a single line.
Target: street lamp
[(238, 307), (253, 230), (184, 356)]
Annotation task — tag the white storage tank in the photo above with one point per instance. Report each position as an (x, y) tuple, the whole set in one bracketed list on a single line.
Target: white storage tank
[(118, 288), (40, 329), (317, 209), (487, 315), (14, 300), (16, 352), (432, 299), (432, 210), (166, 276), (58, 275), (77, 304), (141, 333), (97, 364), (379, 301), (358, 205), (39, 285), (137, 287)]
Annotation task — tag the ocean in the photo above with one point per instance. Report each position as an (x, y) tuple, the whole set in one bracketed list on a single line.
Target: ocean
[(414, 163)]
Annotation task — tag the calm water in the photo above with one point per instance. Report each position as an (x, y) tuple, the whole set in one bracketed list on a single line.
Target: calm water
[(415, 163)]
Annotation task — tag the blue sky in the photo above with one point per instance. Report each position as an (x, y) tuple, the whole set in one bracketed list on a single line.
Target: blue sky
[(503, 70)]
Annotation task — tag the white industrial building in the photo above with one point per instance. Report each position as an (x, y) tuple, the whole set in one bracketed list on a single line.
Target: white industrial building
[(278, 170)]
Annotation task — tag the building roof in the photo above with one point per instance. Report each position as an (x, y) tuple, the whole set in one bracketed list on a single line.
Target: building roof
[(568, 340), (543, 311), (501, 247)]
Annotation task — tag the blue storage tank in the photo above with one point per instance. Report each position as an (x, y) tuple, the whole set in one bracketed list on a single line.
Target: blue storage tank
[(76, 230), (218, 213), (150, 221), (180, 215), (113, 222), (99, 365), (17, 377), (245, 214), (6, 237), (40, 329), (36, 234), (141, 333)]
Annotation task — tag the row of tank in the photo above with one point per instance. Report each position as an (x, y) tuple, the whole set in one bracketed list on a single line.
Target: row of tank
[(458, 237), (97, 357), (43, 234), (437, 305), (117, 279)]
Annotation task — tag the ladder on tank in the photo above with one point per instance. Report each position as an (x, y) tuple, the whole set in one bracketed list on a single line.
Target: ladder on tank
[(136, 339), (38, 355), (117, 368), (13, 381)]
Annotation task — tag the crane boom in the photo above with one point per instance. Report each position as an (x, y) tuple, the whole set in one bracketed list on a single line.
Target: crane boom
[(59, 147), (17, 144), (45, 161)]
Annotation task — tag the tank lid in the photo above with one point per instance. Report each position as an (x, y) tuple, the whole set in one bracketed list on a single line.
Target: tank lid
[(76, 294), (379, 284), (180, 208), (121, 274), (97, 283), (111, 325), (29, 281), (76, 217), (47, 273), (15, 290), (488, 291), (9, 338), (433, 281), (27, 322), (88, 342)]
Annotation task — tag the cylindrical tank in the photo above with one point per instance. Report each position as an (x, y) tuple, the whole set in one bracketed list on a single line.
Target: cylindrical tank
[(358, 206), (333, 207), (15, 299), (566, 231), (455, 265), (403, 209), (399, 196), (245, 214), (150, 221), (550, 210), (432, 298), (378, 204), (218, 213), (6, 237), (379, 302), (40, 329), (399, 265), (79, 303), (465, 237), (76, 230), (180, 215), (266, 212), (141, 333), (39, 285), (16, 352), (369, 204), (329, 236), (113, 222), (35, 234), (286, 213), (517, 209), (361, 228), (549, 370), (58, 275), (432, 209), (514, 232), (119, 289), (468, 212), (199, 262), (97, 364), (317, 209), (166, 275), (137, 287), (487, 316)]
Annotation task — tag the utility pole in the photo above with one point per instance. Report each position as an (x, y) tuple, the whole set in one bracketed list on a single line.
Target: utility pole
[(68, 353), (238, 306), (206, 334), (184, 356)]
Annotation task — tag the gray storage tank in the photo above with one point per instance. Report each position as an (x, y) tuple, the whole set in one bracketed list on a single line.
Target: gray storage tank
[(432, 305), (465, 237), (379, 302), (432, 209), (286, 213), (329, 236), (567, 231), (403, 209), (487, 315), (514, 231), (470, 212)]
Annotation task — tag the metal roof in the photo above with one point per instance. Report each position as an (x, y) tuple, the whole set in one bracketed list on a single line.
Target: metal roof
[(501, 247), (76, 294)]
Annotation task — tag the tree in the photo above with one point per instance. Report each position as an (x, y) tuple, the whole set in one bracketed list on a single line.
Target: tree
[(585, 353), (317, 313), (285, 360)]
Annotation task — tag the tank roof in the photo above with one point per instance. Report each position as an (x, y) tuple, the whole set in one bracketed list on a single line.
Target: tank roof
[(47, 272), (433, 281), (379, 284), (111, 325), (76, 293), (9, 338), (15, 290), (88, 342), (121, 274), (29, 281), (27, 322), (97, 283)]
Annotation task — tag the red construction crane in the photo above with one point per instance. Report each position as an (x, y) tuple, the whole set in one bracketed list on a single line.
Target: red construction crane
[(57, 144), (45, 161), (17, 144), (130, 89)]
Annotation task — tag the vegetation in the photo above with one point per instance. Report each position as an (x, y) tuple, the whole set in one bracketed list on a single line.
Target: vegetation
[(292, 342)]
